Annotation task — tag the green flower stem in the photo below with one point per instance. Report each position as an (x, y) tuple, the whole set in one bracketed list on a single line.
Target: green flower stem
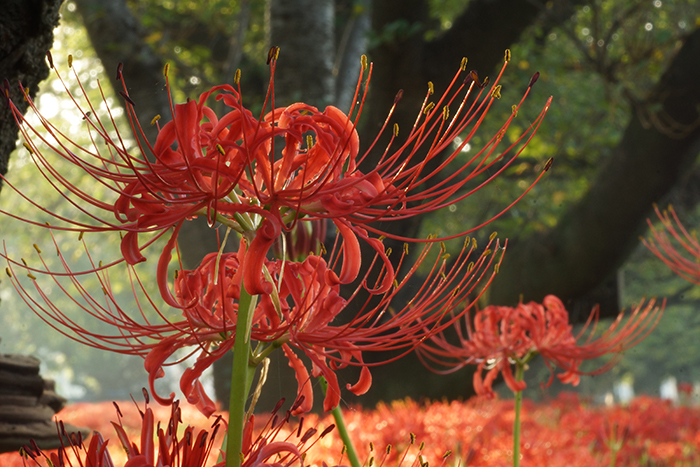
[(342, 429), (519, 373), (241, 378)]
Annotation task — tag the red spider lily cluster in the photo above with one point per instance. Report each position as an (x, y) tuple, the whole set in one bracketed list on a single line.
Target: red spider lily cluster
[(227, 168), (501, 336)]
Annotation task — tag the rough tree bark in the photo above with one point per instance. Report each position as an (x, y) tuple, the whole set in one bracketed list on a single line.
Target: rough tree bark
[(595, 236), (26, 34)]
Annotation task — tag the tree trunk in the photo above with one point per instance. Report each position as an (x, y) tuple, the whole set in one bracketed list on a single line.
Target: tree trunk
[(26, 34), (596, 235)]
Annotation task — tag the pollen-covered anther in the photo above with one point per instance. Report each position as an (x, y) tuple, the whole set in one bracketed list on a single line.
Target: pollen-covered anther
[(514, 109), (445, 256), (463, 64), (507, 55), (487, 252), (428, 108), (31, 276), (49, 57), (548, 165), (237, 76), (388, 251), (431, 88), (24, 261), (70, 61), (470, 267), (7, 271), (371, 446), (492, 236), (496, 93), (220, 148), (309, 141), (28, 148), (447, 454), (396, 129), (36, 247), (80, 235), (474, 243), (273, 54), (413, 437), (496, 268), (166, 69), (396, 284), (363, 61), (155, 119), (445, 113)]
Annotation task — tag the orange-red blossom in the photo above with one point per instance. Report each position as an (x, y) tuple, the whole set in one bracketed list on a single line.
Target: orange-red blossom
[(502, 336)]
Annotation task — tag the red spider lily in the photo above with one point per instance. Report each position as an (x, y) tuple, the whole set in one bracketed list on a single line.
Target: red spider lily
[(501, 336), (300, 310), (158, 447), (660, 243), (226, 168), (178, 446)]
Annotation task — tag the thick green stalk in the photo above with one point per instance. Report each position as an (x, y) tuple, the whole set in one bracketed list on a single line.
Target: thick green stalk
[(519, 372), (241, 379), (342, 429)]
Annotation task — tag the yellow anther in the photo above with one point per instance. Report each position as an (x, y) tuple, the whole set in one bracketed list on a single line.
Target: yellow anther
[(396, 284), (388, 251), (23, 261), (431, 88), (445, 113), (28, 147), (237, 76), (486, 252), (496, 92), (496, 268), (514, 109), (371, 446), (70, 61), (31, 276), (507, 58), (388, 448), (463, 64), (166, 69), (309, 141), (405, 248), (155, 119), (429, 107), (381, 238), (413, 438), (420, 448), (492, 236), (221, 150), (445, 256), (470, 267), (80, 236), (396, 129), (474, 243), (7, 271), (548, 165), (36, 247), (363, 60)]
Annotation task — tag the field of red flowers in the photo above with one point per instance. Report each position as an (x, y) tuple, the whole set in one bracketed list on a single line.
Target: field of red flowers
[(565, 431)]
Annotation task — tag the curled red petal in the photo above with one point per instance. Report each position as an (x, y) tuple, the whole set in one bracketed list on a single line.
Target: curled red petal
[(253, 279), (303, 382), (130, 248), (352, 256), (363, 384)]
